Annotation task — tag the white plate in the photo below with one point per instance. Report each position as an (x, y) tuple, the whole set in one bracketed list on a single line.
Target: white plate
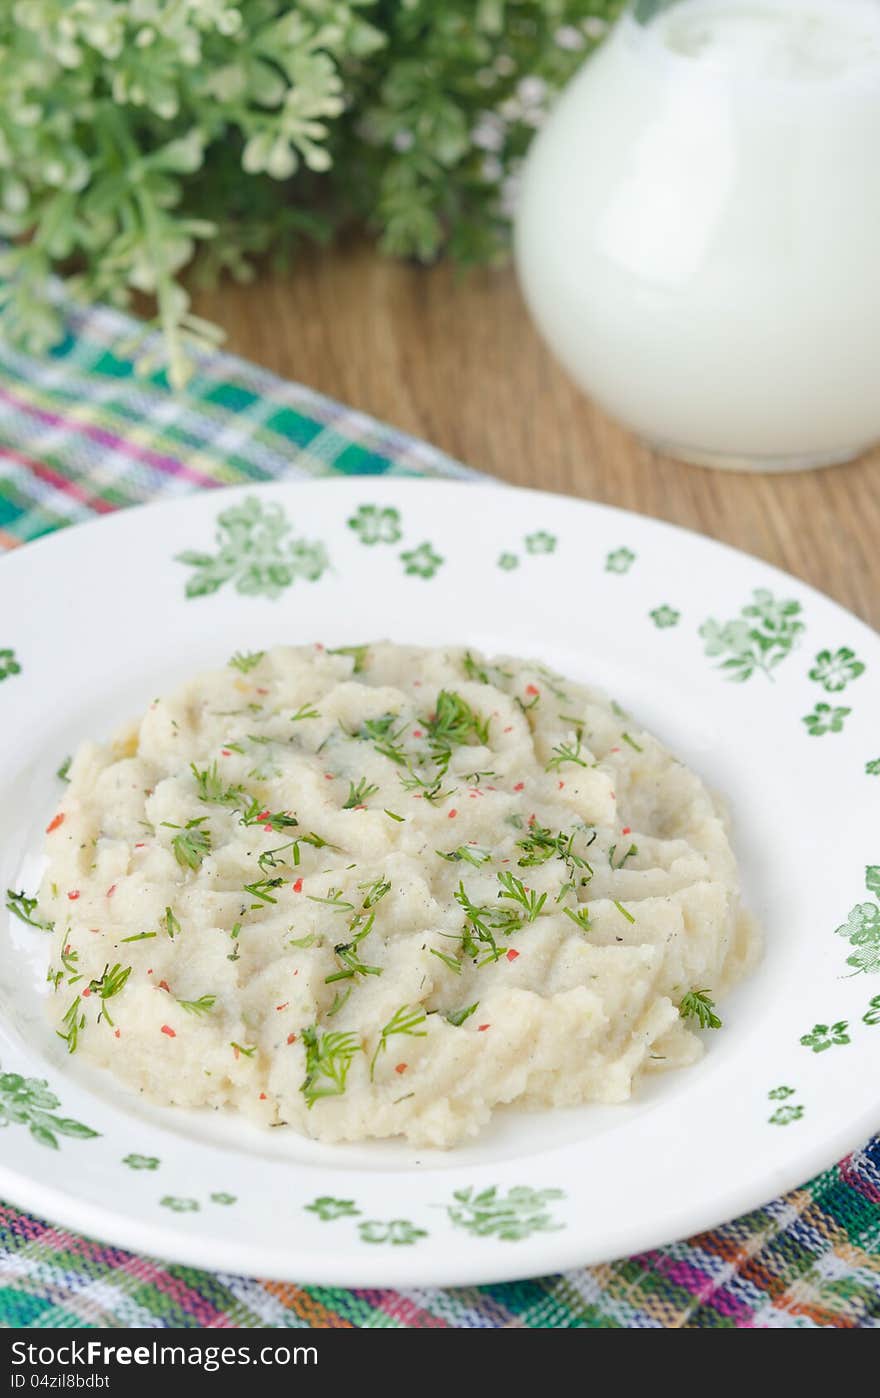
[(769, 690)]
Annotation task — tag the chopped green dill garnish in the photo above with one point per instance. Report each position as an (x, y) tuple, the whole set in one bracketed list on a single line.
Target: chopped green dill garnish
[(234, 747), (512, 887), (530, 705), (700, 1005), (170, 923), (192, 844), (394, 816), (473, 670), (63, 772), (271, 858), (474, 778), (430, 790), (23, 908), (565, 890), (346, 954), (212, 788), (328, 1059), (255, 813), (202, 1006), (576, 723), (69, 960), (621, 909), (358, 795), (334, 899), (308, 941), (403, 1021), (470, 854), (262, 889), (449, 961), (540, 844), (260, 738), (452, 724), (339, 1000), (235, 954), (247, 1049), (359, 654), (458, 1017), (245, 661), (633, 849), (579, 916), (304, 711), (138, 937), (621, 713), (110, 983), (74, 1021), (375, 891), (480, 928), (632, 742), (566, 752), (379, 732)]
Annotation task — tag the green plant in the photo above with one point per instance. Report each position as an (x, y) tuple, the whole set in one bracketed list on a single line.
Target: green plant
[(136, 133)]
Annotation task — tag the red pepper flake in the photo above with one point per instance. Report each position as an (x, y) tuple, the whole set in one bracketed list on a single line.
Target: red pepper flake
[(509, 728), (401, 1068), (284, 1006), (417, 733), (452, 814), (298, 886), (226, 752), (615, 749), (532, 818), (55, 822), (166, 1029), (520, 786), (291, 1038), (482, 1027), (86, 993), (150, 972), (328, 776), (110, 891), (532, 689), (262, 1096), (141, 844), (116, 1034), (319, 645), (417, 684), (360, 808), (262, 691), (264, 815), (561, 785), (512, 955), (163, 985), (613, 796), (626, 830), (73, 895)]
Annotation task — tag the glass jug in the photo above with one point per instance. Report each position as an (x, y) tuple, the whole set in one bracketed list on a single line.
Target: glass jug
[(698, 234)]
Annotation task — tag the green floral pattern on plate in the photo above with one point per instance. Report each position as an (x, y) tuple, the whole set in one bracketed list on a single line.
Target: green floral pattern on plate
[(9, 666), (872, 768), (825, 719), (518, 1214), (327, 1208), (507, 562), (834, 671), (141, 1162), (30, 1102), (826, 1036), (664, 617), (256, 551), (862, 929), (619, 561), (421, 562), (178, 1205), (540, 542), (779, 1094), (399, 1232), (760, 638), (784, 1116), (376, 524), (872, 1013), (221, 1197)]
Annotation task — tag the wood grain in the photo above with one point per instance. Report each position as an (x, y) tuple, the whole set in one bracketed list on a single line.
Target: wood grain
[(454, 358)]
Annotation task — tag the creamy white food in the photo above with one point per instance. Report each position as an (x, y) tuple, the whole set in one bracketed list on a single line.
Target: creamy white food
[(384, 892)]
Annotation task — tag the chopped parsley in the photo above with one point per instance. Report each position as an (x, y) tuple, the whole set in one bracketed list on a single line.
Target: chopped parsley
[(458, 1017)]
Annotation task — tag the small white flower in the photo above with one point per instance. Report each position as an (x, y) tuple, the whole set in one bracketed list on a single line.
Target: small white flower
[(489, 132), (531, 91), (504, 65), (595, 28), (511, 109), (491, 169), (569, 38), (403, 141)]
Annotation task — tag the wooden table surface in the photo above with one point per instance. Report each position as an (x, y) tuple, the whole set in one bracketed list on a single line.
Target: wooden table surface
[(453, 358)]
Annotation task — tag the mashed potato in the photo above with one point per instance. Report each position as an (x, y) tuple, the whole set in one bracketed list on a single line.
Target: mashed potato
[(384, 890)]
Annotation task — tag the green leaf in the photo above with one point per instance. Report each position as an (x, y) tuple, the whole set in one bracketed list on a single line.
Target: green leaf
[(43, 1135), (872, 878)]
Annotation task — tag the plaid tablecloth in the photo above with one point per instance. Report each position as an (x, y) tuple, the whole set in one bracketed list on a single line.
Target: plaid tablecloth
[(80, 435)]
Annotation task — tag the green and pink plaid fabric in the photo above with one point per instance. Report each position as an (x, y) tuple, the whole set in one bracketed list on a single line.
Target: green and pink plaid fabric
[(81, 435)]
